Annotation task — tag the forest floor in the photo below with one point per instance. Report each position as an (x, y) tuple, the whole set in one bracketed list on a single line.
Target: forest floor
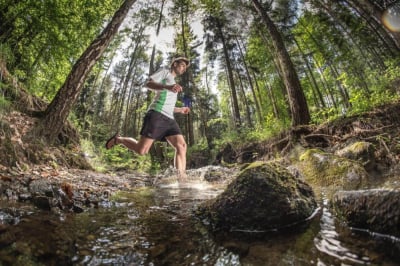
[(379, 127), (24, 158)]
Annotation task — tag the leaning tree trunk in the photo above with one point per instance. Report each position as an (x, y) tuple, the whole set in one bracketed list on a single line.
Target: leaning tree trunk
[(297, 101), (58, 110)]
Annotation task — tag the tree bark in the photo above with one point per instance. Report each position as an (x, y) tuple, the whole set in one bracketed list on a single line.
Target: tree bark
[(256, 102), (236, 110), (297, 101), (58, 110), (318, 98)]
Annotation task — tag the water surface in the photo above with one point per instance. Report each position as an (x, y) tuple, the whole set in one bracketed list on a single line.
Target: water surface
[(155, 226)]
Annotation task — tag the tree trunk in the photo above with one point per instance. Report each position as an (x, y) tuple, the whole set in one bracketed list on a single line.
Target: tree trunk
[(58, 110), (273, 101), (257, 105), (319, 99), (245, 102), (129, 77), (324, 82), (153, 53), (236, 111), (297, 101), (186, 79)]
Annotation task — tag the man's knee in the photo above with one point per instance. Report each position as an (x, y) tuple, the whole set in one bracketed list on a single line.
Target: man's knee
[(143, 151), (181, 146)]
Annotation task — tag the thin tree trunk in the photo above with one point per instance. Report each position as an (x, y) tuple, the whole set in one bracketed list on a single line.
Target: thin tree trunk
[(324, 82), (258, 92), (245, 102), (297, 100), (273, 101), (129, 74), (186, 78), (257, 104), (236, 111), (316, 91), (58, 110), (153, 53), (341, 87)]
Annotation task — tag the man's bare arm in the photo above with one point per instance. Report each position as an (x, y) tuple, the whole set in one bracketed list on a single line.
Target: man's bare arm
[(159, 86)]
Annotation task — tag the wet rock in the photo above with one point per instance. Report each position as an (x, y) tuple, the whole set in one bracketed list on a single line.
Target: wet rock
[(41, 187), (7, 217), (326, 169), (42, 202), (263, 197), (63, 200), (212, 173), (377, 210), (227, 155), (25, 197), (77, 209), (361, 151)]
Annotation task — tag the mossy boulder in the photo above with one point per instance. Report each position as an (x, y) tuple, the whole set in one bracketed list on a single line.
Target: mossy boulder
[(377, 210), (326, 169), (361, 151), (263, 197)]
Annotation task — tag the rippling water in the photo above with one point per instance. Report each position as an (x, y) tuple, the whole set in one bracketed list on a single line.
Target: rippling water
[(154, 226)]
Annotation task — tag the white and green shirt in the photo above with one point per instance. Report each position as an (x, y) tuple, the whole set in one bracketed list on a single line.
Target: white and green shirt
[(164, 100)]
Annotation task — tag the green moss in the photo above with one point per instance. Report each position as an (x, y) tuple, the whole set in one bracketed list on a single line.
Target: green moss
[(359, 146), (321, 168), (309, 154)]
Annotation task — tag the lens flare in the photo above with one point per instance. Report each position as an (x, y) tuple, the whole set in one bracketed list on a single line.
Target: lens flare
[(391, 19)]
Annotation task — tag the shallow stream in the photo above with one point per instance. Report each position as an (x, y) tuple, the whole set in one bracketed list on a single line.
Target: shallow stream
[(155, 226)]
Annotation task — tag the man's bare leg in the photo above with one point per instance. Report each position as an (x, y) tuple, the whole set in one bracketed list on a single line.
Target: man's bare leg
[(179, 144), (141, 147)]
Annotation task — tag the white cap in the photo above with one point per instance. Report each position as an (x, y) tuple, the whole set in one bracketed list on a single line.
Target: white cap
[(181, 58)]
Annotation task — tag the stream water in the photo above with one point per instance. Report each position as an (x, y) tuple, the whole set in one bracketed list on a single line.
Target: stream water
[(155, 226)]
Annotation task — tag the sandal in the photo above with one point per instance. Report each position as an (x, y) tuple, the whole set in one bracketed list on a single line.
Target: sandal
[(112, 140)]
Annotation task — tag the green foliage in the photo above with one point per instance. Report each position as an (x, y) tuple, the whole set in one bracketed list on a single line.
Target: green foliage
[(4, 106), (6, 54), (258, 134), (322, 115), (383, 89), (213, 7), (335, 54), (121, 157), (47, 37)]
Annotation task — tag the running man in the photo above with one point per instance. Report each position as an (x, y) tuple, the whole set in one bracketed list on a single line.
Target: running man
[(159, 122)]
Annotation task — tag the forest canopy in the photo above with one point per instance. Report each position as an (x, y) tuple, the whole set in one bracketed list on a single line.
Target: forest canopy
[(257, 68)]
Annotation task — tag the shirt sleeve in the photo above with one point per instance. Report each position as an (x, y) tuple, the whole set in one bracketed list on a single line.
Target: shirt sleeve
[(159, 75)]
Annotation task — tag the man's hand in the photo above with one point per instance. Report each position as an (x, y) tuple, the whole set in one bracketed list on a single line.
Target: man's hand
[(185, 110), (175, 88), (182, 110)]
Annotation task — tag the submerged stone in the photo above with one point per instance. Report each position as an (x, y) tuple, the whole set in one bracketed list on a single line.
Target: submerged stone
[(377, 210), (264, 197)]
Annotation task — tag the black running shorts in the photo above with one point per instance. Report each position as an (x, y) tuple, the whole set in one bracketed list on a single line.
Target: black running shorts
[(158, 126)]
